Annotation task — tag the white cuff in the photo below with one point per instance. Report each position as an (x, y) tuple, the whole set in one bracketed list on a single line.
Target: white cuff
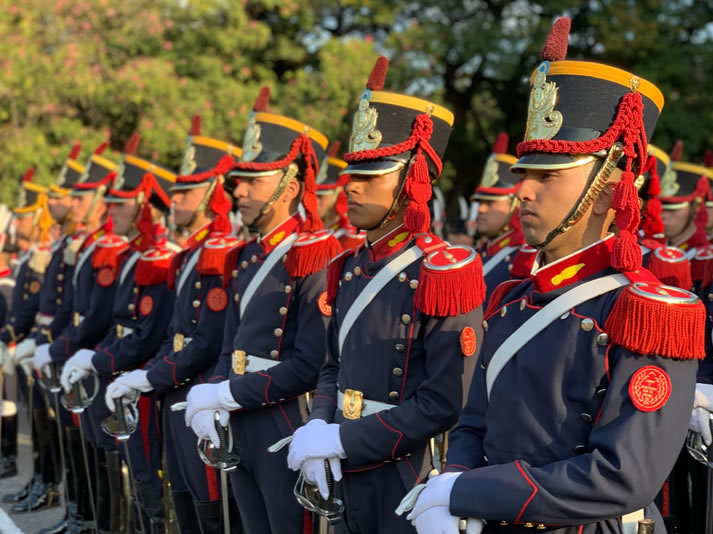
[(226, 397)]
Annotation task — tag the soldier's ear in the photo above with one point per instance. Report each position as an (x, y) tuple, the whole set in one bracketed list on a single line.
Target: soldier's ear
[(603, 203)]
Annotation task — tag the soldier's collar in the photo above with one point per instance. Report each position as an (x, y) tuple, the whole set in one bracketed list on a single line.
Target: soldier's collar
[(198, 237), (508, 239), (5, 272), (578, 266), (273, 238), (692, 241), (389, 244)]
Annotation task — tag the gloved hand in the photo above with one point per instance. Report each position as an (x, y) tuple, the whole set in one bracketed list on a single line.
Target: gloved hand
[(701, 422), (42, 358), (129, 385), (203, 424), (436, 520), (76, 368), (316, 439), (24, 350), (315, 473), (209, 397), (436, 493)]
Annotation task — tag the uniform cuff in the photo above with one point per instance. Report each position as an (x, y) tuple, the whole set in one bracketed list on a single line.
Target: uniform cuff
[(226, 397)]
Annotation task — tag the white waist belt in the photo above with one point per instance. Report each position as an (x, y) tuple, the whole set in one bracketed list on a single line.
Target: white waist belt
[(368, 407), (44, 320), (255, 364)]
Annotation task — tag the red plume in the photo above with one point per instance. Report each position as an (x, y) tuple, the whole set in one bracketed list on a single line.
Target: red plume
[(378, 75), (196, 125), (501, 143), (75, 151), (677, 151), (333, 150), (101, 148), (555, 48), (132, 144), (28, 175), (262, 100), (708, 158)]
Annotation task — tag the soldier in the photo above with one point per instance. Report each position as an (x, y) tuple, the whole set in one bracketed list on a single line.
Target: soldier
[(405, 324), (8, 444), (190, 347), (332, 200), (273, 345), (577, 410), (456, 231), (141, 312)]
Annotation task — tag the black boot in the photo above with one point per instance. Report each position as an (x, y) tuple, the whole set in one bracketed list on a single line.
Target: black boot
[(208, 513), (150, 504), (186, 516), (8, 447), (42, 495), (23, 493)]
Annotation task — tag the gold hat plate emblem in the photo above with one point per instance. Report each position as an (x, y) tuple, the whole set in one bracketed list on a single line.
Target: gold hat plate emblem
[(364, 136), (669, 183), (543, 121), (251, 143)]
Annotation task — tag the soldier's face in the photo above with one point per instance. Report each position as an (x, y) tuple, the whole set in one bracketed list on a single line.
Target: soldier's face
[(493, 216), (23, 226), (60, 207), (185, 203), (254, 191), (122, 215), (676, 221), (371, 197), (80, 205), (709, 228), (325, 201)]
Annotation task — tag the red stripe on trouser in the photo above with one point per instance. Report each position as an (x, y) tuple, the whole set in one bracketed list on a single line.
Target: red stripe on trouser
[(664, 500), (212, 483), (145, 404), (307, 523)]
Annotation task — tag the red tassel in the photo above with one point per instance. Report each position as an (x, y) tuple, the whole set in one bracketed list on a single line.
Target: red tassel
[(220, 205), (417, 218), (195, 125), (334, 273), (132, 144), (213, 254), (154, 271), (555, 48), (146, 227), (262, 100), (650, 326), (28, 175), (75, 151), (311, 253), (309, 196), (446, 293), (174, 269), (101, 148), (378, 74), (671, 267), (677, 151), (499, 293), (501, 144)]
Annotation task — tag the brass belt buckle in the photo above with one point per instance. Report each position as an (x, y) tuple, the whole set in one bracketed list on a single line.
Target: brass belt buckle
[(178, 342), (353, 400), (119, 331), (240, 361), (76, 320)]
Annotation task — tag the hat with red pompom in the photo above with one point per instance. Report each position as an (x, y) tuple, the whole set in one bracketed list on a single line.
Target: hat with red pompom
[(68, 175), (498, 180), (98, 174)]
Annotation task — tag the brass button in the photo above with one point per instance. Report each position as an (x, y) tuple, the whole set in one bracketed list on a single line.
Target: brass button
[(580, 449), (587, 325), (400, 347), (402, 277), (357, 270), (274, 353), (283, 311), (196, 303), (136, 290), (236, 297), (541, 526), (235, 273), (503, 311), (413, 284), (197, 285), (587, 418), (485, 325), (393, 395), (528, 525), (58, 301), (244, 264), (398, 371), (523, 304), (25, 296), (277, 332), (253, 258), (503, 523), (60, 289), (132, 307), (60, 276), (603, 339), (710, 297), (507, 259), (510, 267), (406, 318), (288, 289), (348, 276)]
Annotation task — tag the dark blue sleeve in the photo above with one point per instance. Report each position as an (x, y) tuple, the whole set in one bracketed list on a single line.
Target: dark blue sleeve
[(324, 401), (25, 303), (232, 323)]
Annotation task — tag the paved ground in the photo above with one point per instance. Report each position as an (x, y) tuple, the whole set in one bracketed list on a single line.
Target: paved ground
[(14, 523)]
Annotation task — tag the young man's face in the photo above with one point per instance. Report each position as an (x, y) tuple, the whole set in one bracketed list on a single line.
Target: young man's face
[(493, 216), (60, 207), (370, 197), (254, 191), (122, 215), (23, 225), (676, 221), (80, 206), (325, 201), (185, 204)]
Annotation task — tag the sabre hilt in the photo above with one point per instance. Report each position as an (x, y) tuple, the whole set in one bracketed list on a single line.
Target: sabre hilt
[(51, 382), (123, 431), (225, 459)]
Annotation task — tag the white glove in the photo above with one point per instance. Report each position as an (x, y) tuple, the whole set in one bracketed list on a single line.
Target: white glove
[(704, 397), (474, 526), (316, 474), (700, 422), (436, 520), (4, 353), (42, 358), (76, 368), (436, 493), (9, 366), (24, 350), (316, 439), (128, 385), (203, 424), (208, 397)]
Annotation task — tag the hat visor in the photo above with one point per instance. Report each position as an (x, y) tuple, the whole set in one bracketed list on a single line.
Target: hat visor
[(376, 167), (186, 186), (547, 161), (254, 174), (671, 206)]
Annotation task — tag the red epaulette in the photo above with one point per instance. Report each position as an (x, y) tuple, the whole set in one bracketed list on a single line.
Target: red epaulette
[(108, 251), (154, 266), (212, 254), (231, 262), (451, 278), (650, 318), (311, 253), (334, 273), (670, 265), (175, 268), (500, 291)]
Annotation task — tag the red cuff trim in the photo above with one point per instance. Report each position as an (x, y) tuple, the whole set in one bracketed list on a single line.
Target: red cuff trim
[(401, 434), (532, 495)]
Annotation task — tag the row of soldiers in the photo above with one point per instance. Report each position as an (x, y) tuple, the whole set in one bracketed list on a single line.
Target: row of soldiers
[(357, 371)]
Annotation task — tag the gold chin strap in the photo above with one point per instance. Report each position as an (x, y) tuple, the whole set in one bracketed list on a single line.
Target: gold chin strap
[(289, 175), (616, 152), (98, 195)]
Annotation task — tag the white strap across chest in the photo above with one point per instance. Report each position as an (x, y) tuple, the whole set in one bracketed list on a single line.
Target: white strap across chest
[(187, 270), (495, 260), (375, 285), (129, 265), (543, 318), (84, 256), (271, 260)]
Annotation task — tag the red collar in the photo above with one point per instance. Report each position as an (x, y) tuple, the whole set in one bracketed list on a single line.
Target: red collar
[(273, 238), (389, 244), (573, 268), (5, 272), (508, 239), (93, 236), (197, 239)]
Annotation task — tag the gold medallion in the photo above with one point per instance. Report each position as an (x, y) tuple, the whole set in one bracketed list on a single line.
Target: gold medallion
[(353, 400), (251, 143), (543, 121), (240, 361), (490, 173), (365, 136), (189, 160)]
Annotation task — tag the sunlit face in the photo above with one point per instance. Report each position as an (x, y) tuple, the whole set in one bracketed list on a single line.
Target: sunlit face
[(325, 201), (185, 203), (122, 215), (676, 221), (254, 191), (493, 216), (370, 197), (80, 206), (23, 225), (60, 207)]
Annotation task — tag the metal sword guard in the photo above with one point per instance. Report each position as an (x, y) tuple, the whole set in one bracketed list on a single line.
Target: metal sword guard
[(78, 400), (124, 421), (220, 457), (50, 383), (698, 450), (311, 499)]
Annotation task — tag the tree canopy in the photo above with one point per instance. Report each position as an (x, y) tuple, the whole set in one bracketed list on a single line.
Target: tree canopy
[(88, 70)]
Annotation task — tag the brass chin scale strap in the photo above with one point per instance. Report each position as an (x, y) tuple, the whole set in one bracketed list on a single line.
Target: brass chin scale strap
[(287, 177)]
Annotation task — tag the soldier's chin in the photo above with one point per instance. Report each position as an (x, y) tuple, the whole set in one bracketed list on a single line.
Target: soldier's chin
[(532, 236)]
